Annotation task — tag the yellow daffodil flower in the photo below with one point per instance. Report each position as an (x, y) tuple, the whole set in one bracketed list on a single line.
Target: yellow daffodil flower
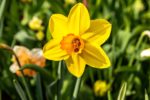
[(77, 40)]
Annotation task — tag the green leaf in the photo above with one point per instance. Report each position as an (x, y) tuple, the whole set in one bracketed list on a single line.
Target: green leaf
[(2, 6), (109, 95), (122, 91), (0, 95), (121, 40), (125, 69), (19, 90), (1, 26), (146, 95), (57, 6), (48, 34), (38, 87)]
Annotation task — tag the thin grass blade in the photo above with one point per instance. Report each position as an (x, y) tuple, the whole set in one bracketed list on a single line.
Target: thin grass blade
[(122, 91)]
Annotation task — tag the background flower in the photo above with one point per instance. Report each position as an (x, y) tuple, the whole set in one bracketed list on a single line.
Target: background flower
[(100, 88), (26, 56), (35, 23)]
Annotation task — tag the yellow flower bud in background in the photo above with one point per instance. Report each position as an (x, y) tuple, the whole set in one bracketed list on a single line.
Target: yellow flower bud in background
[(100, 88), (40, 35), (35, 23), (70, 1), (138, 6)]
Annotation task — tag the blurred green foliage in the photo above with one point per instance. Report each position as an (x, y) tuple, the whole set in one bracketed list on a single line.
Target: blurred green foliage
[(129, 18)]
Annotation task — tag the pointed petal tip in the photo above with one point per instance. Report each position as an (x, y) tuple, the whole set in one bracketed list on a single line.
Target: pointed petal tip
[(77, 75), (76, 65), (95, 56), (109, 25), (78, 19), (80, 4), (107, 64)]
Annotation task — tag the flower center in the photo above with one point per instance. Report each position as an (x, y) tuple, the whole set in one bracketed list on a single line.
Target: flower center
[(72, 43)]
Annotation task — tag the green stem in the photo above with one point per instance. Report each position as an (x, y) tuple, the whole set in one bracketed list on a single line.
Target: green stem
[(59, 71), (76, 89), (0, 95), (109, 95), (136, 48), (39, 87), (132, 59), (23, 78), (91, 76), (2, 8), (13, 42)]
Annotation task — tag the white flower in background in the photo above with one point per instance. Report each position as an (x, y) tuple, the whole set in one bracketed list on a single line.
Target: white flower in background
[(145, 53), (14, 68), (147, 33)]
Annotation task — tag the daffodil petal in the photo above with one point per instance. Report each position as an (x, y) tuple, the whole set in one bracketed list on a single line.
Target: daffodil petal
[(75, 65), (52, 51), (78, 19), (99, 31), (95, 56), (58, 25), (19, 49)]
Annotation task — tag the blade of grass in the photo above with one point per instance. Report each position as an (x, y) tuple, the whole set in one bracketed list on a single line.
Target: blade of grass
[(122, 91), (59, 82), (57, 6), (1, 27), (2, 6), (38, 87), (109, 95), (19, 90), (49, 88), (146, 95), (0, 95), (76, 89)]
